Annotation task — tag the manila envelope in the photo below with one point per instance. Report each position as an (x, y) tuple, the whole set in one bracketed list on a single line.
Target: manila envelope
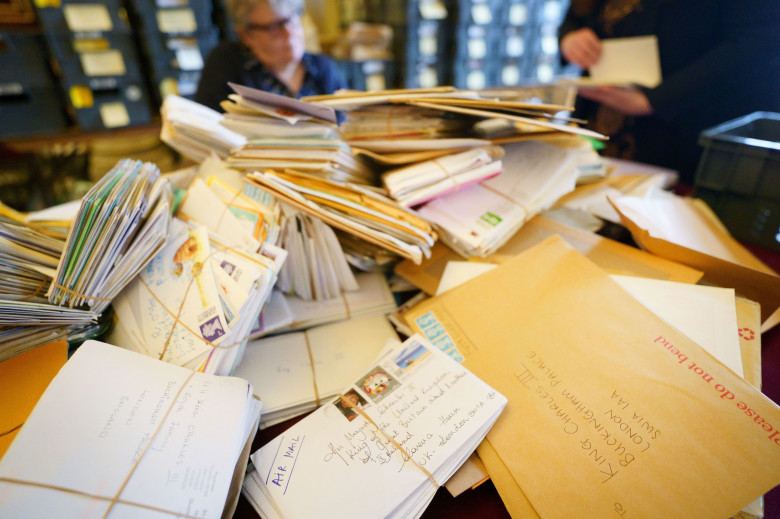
[(723, 260), (23, 379), (612, 256), (611, 411), (749, 322)]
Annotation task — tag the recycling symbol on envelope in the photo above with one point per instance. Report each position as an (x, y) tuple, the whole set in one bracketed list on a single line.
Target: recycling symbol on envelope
[(747, 334)]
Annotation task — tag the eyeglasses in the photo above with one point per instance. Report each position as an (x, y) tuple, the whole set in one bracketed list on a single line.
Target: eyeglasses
[(277, 26)]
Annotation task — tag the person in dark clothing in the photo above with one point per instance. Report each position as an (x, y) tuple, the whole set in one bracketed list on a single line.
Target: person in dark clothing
[(720, 60), (270, 55)]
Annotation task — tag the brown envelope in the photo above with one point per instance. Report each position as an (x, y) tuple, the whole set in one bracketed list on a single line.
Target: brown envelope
[(749, 277), (469, 476), (612, 256), (749, 322), (612, 412), (23, 379)]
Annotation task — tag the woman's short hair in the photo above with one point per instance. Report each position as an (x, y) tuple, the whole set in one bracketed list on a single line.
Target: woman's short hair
[(240, 10)]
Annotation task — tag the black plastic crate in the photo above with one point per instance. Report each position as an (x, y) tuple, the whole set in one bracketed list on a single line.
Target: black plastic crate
[(32, 111), (82, 17), (739, 176)]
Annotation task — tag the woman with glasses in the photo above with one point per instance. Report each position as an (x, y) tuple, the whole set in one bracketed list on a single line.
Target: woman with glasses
[(270, 55)]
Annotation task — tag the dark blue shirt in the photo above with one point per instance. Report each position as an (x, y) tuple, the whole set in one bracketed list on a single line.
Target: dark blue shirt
[(232, 61)]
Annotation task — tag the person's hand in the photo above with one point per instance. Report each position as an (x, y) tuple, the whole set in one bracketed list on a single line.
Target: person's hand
[(628, 100), (581, 47)]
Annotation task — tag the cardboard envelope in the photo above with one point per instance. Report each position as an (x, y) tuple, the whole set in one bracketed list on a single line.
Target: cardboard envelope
[(23, 379), (749, 322), (610, 410), (700, 242)]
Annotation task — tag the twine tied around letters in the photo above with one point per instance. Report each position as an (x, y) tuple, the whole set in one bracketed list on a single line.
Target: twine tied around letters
[(38, 289), (196, 270), (506, 197), (78, 294), (115, 499), (448, 174), (346, 403)]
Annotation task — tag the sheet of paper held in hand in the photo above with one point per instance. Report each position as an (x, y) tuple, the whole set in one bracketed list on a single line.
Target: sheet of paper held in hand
[(335, 460), (613, 413), (627, 60)]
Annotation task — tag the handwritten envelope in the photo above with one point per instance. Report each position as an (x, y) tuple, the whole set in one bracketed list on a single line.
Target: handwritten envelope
[(611, 412), (427, 415), (280, 367)]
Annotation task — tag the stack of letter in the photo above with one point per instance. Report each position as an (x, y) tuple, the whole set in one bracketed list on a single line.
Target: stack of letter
[(354, 209), (195, 303), (28, 259), (294, 373), (122, 222), (120, 434), (477, 220), (325, 154), (285, 313), (392, 437), (423, 181), (194, 130)]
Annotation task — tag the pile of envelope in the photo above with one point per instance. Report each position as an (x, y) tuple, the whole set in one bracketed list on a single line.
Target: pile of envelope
[(116, 433), (396, 432), (477, 220), (293, 373), (122, 222), (311, 262), (194, 130), (286, 312), (331, 158), (296, 146), (195, 302), (316, 268), (420, 182), (354, 209)]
